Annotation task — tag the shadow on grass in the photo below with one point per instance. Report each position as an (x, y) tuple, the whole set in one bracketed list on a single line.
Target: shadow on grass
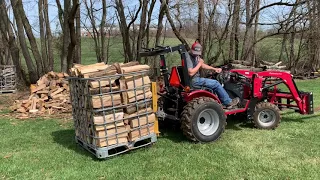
[(238, 123), (66, 138), (171, 130)]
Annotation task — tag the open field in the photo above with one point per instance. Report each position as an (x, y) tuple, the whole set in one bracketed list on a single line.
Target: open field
[(268, 49), (44, 148)]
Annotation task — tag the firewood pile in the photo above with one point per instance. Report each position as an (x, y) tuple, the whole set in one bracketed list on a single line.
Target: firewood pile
[(302, 74), (48, 96), (112, 104), (7, 78), (264, 65)]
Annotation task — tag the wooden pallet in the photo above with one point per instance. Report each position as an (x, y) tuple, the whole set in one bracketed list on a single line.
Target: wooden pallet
[(104, 152), (114, 150), (7, 91)]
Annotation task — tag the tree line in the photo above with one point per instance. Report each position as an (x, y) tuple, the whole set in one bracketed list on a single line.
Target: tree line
[(227, 29)]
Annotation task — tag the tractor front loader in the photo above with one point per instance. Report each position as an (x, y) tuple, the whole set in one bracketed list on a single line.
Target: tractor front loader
[(199, 110)]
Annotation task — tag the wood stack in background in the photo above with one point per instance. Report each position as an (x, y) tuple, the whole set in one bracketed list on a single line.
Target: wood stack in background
[(299, 73), (264, 65), (49, 95), (7, 78), (104, 98)]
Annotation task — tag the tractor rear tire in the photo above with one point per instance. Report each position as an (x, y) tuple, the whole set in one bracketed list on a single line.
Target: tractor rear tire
[(266, 116), (203, 120)]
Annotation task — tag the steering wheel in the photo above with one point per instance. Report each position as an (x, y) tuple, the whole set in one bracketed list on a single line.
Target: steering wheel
[(228, 76), (224, 76)]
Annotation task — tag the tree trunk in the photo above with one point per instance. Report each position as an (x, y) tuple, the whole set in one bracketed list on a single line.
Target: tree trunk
[(147, 31), (142, 27), (73, 37), (283, 45), (317, 50), (32, 39), (246, 54), (77, 55), (48, 36), (175, 30), (66, 37), (208, 41), (96, 35), (221, 40), (160, 24), (314, 37), (124, 28), (102, 31), (33, 75), (60, 14), (10, 40), (255, 61), (248, 43), (2, 49), (200, 21), (234, 40), (42, 36)]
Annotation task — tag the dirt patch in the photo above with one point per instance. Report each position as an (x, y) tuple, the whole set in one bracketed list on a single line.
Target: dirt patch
[(6, 100), (25, 116)]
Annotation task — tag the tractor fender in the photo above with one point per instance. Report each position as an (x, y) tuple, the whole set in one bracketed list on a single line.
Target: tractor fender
[(200, 93)]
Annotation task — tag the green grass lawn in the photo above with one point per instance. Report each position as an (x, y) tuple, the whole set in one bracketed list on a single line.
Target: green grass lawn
[(45, 149)]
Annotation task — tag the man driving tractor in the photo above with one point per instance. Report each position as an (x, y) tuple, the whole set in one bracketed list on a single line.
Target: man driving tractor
[(194, 63)]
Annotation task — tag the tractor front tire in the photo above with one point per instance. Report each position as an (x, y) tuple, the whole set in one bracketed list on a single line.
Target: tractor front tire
[(266, 116), (203, 120)]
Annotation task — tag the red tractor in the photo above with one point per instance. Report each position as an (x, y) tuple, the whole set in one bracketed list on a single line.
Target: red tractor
[(199, 110)]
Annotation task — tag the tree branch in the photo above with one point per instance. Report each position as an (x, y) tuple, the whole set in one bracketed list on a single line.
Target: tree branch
[(274, 4), (136, 15)]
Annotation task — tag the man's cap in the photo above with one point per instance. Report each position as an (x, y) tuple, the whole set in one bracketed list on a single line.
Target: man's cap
[(196, 49)]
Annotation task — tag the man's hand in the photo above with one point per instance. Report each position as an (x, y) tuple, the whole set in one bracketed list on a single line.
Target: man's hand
[(218, 70)]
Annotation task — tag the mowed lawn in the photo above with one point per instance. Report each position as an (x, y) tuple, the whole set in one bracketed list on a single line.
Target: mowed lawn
[(45, 149)]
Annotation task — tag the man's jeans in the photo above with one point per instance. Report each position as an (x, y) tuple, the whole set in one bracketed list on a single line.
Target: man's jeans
[(215, 86)]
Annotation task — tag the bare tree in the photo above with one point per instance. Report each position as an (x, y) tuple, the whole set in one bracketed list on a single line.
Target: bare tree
[(160, 23), (201, 21), (9, 39), (97, 33), (102, 31), (31, 37), (66, 35), (125, 28), (73, 38), (234, 36), (77, 51), (43, 39), (314, 34), (173, 26), (33, 74), (48, 36)]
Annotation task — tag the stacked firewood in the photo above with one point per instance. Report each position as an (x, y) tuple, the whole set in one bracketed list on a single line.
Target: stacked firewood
[(50, 94), (301, 73), (117, 102), (137, 95)]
